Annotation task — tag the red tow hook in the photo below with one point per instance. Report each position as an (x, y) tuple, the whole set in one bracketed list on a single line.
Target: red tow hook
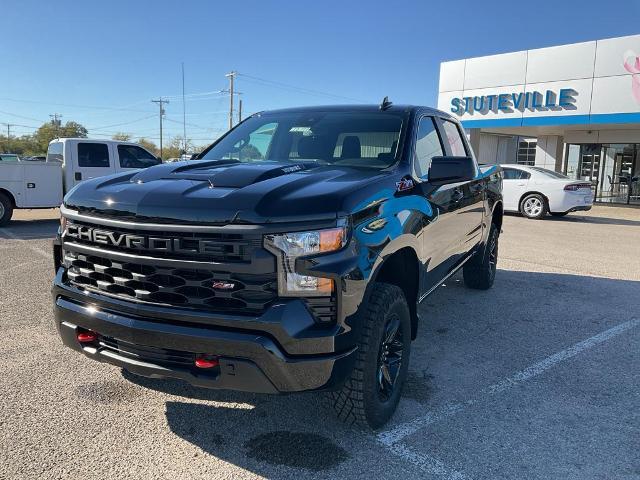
[(87, 337), (206, 361)]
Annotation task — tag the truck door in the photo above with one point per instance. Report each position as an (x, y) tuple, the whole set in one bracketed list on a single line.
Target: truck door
[(91, 160), (469, 196), (441, 230)]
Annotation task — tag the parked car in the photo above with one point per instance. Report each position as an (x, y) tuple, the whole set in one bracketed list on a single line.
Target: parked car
[(535, 192), (291, 257), (42, 184)]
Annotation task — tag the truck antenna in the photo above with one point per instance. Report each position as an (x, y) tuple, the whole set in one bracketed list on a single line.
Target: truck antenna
[(385, 103)]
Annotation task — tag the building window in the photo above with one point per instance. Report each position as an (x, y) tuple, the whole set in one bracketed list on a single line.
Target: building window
[(527, 152)]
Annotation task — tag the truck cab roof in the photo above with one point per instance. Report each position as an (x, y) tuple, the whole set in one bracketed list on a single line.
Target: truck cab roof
[(361, 108)]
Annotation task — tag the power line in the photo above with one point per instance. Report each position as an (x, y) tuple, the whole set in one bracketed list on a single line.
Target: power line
[(93, 107), (308, 91), (124, 123), (22, 116)]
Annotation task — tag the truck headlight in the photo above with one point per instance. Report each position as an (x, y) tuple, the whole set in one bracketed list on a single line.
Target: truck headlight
[(291, 246)]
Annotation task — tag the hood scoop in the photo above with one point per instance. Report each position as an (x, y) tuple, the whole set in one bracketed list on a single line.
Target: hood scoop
[(242, 175), (221, 173)]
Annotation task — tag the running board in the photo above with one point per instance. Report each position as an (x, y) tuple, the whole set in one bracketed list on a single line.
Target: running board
[(446, 277)]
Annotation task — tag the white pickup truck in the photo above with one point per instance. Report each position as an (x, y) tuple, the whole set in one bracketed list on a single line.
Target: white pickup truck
[(42, 184)]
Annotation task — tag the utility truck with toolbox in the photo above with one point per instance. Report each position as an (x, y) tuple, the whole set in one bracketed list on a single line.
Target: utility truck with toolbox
[(292, 256), (42, 183)]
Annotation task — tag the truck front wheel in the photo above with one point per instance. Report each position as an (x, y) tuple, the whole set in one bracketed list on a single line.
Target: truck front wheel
[(371, 394), (6, 210)]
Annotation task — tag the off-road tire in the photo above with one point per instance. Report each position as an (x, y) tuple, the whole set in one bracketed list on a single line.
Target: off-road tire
[(538, 209), (359, 401), (480, 271), (6, 209)]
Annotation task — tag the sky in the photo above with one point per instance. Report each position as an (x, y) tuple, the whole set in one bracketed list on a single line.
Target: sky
[(101, 63)]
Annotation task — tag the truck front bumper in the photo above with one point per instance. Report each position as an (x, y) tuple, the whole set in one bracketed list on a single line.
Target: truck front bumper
[(160, 347)]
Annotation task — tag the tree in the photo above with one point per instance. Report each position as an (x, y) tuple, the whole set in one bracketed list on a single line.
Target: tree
[(123, 137), (175, 148), (148, 145), (53, 129)]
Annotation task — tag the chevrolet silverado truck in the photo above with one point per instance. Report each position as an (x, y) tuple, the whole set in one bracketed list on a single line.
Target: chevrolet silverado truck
[(291, 256)]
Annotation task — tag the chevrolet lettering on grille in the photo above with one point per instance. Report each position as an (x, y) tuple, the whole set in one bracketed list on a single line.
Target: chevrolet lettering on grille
[(141, 242)]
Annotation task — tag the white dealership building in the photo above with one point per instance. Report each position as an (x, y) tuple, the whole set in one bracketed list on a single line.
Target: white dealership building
[(571, 108)]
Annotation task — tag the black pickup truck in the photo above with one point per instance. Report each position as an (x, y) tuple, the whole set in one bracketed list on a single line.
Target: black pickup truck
[(292, 255)]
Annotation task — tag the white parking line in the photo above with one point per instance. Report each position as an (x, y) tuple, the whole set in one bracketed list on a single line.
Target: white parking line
[(392, 438), (39, 251), (427, 463)]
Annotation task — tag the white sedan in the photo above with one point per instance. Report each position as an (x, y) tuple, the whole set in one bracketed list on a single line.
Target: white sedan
[(535, 191)]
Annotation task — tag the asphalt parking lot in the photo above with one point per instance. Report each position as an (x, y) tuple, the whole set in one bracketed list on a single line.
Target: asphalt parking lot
[(538, 378)]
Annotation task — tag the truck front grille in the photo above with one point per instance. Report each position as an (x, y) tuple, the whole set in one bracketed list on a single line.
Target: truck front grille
[(184, 245), (169, 286)]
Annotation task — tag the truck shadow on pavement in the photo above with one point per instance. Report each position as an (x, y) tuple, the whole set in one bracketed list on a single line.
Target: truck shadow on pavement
[(274, 440), (577, 218), (30, 229), (468, 340)]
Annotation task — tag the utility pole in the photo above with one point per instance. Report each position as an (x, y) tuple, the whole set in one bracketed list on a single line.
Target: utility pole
[(160, 103), (231, 76), (9, 137), (239, 110), (56, 122)]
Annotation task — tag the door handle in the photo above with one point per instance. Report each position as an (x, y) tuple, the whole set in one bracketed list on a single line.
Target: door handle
[(522, 184), (78, 175)]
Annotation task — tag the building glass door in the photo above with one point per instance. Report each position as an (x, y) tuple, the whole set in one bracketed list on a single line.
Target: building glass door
[(613, 169)]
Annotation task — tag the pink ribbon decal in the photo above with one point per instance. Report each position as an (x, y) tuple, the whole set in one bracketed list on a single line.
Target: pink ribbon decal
[(632, 65)]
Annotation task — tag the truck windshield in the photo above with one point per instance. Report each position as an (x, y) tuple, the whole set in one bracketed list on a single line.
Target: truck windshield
[(368, 139)]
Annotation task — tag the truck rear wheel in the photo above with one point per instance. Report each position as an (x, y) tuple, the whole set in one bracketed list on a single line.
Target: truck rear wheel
[(371, 394), (480, 271), (6, 209)]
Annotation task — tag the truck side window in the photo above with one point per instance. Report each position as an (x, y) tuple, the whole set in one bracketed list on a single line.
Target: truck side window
[(427, 145), (135, 157), (93, 155), (454, 138)]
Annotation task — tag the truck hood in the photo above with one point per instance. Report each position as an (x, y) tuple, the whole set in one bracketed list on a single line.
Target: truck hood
[(222, 192)]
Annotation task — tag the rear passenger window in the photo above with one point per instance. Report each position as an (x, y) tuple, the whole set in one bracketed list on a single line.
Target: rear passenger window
[(93, 155), (454, 138), (515, 174), (427, 145)]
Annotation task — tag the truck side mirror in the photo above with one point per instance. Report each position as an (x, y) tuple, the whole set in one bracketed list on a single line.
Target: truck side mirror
[(445, 170)]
